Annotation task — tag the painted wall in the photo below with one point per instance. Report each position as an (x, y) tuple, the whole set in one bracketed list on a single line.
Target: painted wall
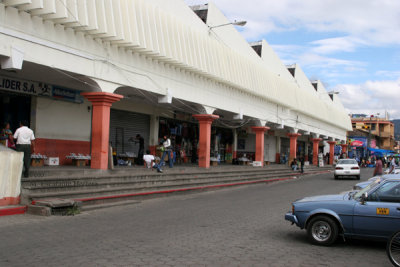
[(62, 120)]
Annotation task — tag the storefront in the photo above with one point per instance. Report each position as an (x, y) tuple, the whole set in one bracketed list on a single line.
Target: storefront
[(184, 137), (221, 144), (357, 147), (59, 116), (124, 126)]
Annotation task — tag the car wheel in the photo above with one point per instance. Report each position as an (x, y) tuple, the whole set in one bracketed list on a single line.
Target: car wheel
[(336, 177), (358, 177), (322, 230)]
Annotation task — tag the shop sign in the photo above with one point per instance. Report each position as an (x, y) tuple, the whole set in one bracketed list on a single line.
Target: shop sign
[(39, 89), (357, 142)]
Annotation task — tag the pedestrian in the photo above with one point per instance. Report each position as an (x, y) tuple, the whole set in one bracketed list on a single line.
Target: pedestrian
[(378, 167), (302, 164), (25, 143), (149, 161), (6, 136), (392, 164), (140, 140), (294, 165), (167, 151)]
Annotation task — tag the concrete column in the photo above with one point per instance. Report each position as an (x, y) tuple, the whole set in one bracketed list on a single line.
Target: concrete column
[(260, 142), (315, 150), (293, 145), (234, 145), (154, 127), (278, 150), (205, 121), (306, 152), (101, 103), (331, 151)]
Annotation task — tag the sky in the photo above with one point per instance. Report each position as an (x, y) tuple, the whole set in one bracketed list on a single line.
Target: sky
[(352, 46)]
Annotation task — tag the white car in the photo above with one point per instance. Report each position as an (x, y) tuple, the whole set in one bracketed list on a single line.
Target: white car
[(395, 171), (347, 167)]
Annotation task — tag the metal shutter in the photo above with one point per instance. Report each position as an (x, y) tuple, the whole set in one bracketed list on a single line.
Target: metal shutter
[(124, 125)]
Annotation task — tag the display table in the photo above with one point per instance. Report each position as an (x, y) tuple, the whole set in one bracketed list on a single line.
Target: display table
[(37, 160), (79, 160), (243, 161)]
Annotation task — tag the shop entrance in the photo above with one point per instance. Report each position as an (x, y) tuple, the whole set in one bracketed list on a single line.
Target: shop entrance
[(13, 109)]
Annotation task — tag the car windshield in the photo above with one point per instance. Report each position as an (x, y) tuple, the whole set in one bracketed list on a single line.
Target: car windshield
[(347, 161), (367, 188)]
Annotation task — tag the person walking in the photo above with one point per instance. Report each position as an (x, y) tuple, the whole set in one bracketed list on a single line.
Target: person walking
[(392, 164), (25, 143), (378, 167), (302, 164), (140, 140), (167, 151)]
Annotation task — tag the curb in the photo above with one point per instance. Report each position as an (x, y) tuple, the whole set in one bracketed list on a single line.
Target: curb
[(194, 188), (13, 211)]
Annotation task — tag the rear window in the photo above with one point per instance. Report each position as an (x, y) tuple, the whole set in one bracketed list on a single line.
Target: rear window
[(347, 161)]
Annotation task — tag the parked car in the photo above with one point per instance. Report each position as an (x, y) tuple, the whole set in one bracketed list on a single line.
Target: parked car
[(346, 168), (395, 171), (361, 185), (371, 213)]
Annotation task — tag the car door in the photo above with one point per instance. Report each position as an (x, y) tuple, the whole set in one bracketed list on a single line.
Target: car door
[(379, 215)]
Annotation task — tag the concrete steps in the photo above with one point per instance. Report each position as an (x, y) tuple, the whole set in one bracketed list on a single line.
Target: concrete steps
[(96, 187)]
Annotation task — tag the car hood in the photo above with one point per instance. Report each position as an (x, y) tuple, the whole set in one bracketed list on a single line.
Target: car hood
[(325, 198)]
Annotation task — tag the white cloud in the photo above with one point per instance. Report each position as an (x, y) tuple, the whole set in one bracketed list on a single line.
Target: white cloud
[(371, 97), (338, 44), (375, 21)]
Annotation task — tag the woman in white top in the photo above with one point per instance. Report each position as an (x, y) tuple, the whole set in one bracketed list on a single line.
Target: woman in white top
[(167, 151)]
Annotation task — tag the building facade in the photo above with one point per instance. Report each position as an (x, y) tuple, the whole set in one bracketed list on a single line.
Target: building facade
[(90, 73), (380, 131)]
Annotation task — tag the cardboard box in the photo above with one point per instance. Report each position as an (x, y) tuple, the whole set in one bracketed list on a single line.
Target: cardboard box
[(79, 162), (257, 164), (214, 163), (52, 161), (37, 162)]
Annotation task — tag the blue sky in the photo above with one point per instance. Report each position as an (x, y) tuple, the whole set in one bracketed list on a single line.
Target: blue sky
[(352, 46)]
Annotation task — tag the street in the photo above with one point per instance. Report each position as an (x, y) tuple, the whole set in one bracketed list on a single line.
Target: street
[(241, 226)]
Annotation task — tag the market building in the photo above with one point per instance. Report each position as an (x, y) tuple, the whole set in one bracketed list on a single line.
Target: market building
[(90, 74), (370, 133)]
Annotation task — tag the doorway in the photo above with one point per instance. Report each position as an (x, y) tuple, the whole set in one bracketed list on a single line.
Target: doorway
[(14, 109)]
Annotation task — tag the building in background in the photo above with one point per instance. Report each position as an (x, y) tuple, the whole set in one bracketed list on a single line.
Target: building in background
[(370, 132)]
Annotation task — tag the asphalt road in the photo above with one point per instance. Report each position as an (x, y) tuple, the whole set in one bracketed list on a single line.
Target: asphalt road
[(242, 226)]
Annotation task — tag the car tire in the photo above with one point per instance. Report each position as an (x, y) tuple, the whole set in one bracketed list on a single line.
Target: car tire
[(336, 177), (322, 230), (358, 177)]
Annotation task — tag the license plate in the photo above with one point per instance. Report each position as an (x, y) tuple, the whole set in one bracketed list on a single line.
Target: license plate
[(347, 172), (382, 211)]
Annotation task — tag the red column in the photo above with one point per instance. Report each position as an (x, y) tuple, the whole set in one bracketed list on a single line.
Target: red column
[(205, 121), (293, 145), (331, 151), (315, 150), (260, 130), (101, 103)]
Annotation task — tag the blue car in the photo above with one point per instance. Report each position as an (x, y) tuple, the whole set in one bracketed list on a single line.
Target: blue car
[(361, 185), (371, 213)]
